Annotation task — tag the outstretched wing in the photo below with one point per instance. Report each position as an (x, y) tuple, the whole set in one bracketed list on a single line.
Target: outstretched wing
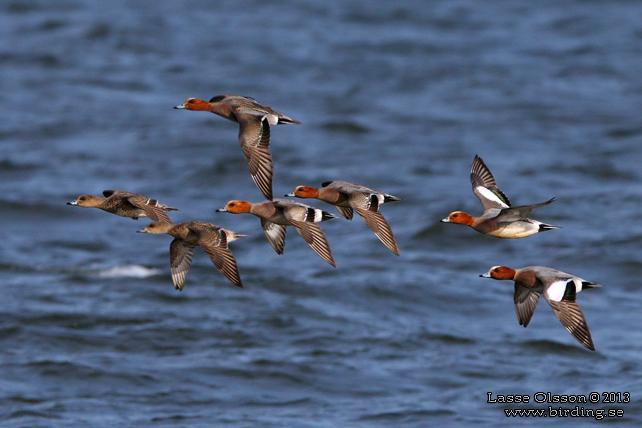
[(214, 242), (571, 316), (519, 213), (561, 295), (275, 234), (525, 303), (154, 209), (314, 236), (485, 187), (347, 212), (254, 136), (380, 227), (180, 257)]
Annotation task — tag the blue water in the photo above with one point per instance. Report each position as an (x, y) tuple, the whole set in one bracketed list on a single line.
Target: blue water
[(398, 96)]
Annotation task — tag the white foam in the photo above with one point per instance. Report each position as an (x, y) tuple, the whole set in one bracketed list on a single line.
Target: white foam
[(131, 271)]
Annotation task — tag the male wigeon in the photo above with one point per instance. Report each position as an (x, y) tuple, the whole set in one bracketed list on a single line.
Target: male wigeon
[(192, 234), (126, 204), (277, 214), (349, 197), (254, 122), (499, 219), (560, 290)]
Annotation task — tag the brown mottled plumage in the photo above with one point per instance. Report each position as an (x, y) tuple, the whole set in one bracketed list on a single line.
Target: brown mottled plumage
[(126, 204), (192, 234)]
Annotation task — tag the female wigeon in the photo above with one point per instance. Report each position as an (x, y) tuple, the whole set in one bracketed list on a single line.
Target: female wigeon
[(349, 197), (277, 214), (499, 219), (192, 234), (254, 122), (560, 290), (126, 204)]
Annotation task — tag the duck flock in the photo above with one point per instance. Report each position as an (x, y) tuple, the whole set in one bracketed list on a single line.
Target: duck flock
[(500, 219)]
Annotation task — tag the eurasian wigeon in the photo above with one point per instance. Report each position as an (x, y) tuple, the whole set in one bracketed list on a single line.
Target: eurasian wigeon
[(560, 290), (499, 219), (277, 214), (254, 122), (349, 197), (192, 234), (126, 204)]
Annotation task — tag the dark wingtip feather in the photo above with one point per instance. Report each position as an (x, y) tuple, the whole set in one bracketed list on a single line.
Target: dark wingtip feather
[(544, 227), (390, 198), (288, 121), (327, 216), (587, 284)]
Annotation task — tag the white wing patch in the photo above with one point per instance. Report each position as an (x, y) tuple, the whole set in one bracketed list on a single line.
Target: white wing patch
[(271, 118), (490, 196), (318, 215), (578, 284), (556, 290)]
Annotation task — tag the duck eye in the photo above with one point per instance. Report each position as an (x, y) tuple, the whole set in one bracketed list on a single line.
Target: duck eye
[(455, 215), (232, 204), (82, 198), (191, 101), (497, 270)]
